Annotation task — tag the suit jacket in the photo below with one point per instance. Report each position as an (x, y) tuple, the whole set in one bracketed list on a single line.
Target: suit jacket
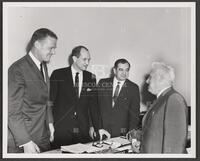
[(68, 110), (28, 107), (124, 116), (165, 125)]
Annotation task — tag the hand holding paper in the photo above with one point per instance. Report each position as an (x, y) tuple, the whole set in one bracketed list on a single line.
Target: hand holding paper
[(104, 132)]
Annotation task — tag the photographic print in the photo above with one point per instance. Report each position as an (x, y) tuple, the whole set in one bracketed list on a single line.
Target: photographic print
[(99, 80)]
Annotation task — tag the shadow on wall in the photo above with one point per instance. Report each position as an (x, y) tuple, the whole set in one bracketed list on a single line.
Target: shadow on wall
[(147, 98)]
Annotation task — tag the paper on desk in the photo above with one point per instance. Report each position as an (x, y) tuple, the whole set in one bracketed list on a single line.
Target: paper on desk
[(79, 148), (120, 140)]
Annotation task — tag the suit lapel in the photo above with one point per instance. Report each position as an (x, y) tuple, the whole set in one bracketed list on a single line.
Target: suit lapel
[(109, 91), (84, 82), (35, 69), (124, 89)]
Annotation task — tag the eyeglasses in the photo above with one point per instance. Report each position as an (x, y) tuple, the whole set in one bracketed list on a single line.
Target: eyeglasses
[(98, 144)]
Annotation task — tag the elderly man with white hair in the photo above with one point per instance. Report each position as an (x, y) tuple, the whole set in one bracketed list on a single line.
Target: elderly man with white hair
[(165, 124)]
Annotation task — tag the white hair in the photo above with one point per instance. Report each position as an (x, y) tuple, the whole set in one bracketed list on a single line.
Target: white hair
[(164, 71)]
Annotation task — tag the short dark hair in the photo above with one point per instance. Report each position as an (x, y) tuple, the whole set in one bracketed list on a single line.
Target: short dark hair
[(122, 61), (40, 34), (77, 50)]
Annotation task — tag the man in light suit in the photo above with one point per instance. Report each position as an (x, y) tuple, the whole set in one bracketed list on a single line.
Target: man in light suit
[(30, 121), (165, 124), (119, 101), (73, 93)]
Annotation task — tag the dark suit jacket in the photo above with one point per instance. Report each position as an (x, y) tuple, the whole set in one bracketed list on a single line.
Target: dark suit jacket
[(165, 125), (66, 104), (124, 116), (28, 108)]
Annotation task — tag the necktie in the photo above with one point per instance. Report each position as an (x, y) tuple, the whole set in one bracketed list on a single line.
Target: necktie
[(41, 70), (116, 92), (77, 84)]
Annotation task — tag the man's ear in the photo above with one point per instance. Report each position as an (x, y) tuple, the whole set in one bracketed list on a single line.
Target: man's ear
[(37, 44), (74, 58), (114, 70)]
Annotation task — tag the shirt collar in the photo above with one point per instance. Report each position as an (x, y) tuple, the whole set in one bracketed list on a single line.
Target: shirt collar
[(74, 71), (115, 81), (35, 60), (164, 89)]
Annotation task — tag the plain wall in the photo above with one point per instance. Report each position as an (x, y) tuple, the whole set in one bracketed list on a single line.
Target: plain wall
[(141, 35)]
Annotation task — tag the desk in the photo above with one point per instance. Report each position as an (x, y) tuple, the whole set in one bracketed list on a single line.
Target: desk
[(56, 151), (126, 145)]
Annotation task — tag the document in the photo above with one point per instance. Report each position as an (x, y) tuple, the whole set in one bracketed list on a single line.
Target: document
[(79, 148), (122, 140), (116, 143)]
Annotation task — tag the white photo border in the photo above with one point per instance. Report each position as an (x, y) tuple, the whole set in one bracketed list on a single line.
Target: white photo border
[(191, 5)]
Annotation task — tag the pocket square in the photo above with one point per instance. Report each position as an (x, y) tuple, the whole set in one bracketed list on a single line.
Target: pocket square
[(88, 89)]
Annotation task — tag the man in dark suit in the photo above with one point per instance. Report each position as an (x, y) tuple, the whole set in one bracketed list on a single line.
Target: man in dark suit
[(30, 121), (165, 124), (119, 101), (164, 127), (73, 93)]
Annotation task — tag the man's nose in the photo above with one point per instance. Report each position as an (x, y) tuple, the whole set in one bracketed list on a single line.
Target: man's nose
[(87, 62), (53, 52), (124, 72)]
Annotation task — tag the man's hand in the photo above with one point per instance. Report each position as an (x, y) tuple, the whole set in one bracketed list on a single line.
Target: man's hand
[(104, 132), (31, 147), (51, 128), (92, 133), (136, 145), (134, 134)]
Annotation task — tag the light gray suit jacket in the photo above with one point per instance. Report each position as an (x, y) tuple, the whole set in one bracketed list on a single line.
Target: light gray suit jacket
[(29, 111), (165, 125)]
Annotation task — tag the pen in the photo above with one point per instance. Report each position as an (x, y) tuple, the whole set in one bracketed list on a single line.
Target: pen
[(123, 137)]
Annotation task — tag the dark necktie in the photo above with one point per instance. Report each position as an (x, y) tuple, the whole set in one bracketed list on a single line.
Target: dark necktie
[(41, 70), (116, 92), (77, 84)]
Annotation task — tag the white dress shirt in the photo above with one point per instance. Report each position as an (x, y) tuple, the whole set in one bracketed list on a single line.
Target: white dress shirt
[(80, 77), (115, 83), (37, 63)]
